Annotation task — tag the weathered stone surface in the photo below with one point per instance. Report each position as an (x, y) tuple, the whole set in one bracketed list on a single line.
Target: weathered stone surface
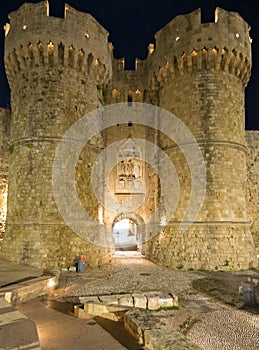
[(153, 301), (108, 299), (5, 117), (126, 300), (175, 300), (148, 330), (162, 339), (137, 321), (166, 300), (140, 300), (111, 312), (89, 299), (252, 138)]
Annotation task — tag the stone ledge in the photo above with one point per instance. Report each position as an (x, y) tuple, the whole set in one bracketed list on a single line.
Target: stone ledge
[(30, 289), (148, 300)]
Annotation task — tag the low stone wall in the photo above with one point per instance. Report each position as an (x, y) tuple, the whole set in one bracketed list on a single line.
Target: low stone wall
[(146, 328), (148, 300)]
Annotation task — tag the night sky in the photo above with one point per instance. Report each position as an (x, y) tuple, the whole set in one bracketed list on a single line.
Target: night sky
[(132, 25)]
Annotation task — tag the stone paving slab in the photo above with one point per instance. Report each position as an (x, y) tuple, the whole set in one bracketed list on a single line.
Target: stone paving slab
[(16, 330)]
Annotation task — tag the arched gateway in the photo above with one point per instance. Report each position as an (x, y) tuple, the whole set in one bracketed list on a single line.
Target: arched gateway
[(128, 231)]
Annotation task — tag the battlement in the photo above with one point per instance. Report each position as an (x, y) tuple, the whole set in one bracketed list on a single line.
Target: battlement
[(33, 38), (186, 45), (78, 41), (188, 30), (30, 16)]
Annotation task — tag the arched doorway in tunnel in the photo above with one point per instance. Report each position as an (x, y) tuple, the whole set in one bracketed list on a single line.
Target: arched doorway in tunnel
[(126, 232)]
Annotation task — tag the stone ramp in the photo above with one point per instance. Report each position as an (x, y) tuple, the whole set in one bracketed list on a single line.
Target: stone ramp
[(20, 283)]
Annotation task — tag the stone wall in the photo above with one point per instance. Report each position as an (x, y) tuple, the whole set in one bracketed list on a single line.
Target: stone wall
[(252, 138), (4, 151)]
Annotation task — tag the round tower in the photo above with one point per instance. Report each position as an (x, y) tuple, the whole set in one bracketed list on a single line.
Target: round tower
[(200, 72), (56, 68)]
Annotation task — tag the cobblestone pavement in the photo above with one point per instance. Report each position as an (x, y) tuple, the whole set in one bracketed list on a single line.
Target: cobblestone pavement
[(212, 313), (127, 275), (226, 329)]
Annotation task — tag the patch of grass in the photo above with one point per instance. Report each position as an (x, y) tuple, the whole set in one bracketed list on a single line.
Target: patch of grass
[(167, 308), (179, 267), (11, 148)]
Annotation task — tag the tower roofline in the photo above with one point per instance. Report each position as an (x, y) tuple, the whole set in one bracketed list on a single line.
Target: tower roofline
[(38, 10)]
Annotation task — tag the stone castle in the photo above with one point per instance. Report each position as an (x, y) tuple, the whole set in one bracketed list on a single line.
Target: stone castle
[(61, 69)]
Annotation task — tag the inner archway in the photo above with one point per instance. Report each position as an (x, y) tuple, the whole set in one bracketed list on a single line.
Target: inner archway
[(127, 232), (125, 235)]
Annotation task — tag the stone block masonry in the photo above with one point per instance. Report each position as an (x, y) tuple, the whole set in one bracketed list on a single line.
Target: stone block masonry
[(5, 151), (252, 138), (60, 69)]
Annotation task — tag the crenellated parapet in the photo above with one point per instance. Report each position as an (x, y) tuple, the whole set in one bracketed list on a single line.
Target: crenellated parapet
[(128, 85), (77, 42), (215, 59), (186, 45)]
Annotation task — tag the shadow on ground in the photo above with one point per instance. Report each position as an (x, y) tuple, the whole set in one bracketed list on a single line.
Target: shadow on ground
[(224, 287)]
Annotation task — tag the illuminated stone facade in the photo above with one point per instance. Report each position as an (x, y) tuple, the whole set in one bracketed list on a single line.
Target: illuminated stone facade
[(61, 69)]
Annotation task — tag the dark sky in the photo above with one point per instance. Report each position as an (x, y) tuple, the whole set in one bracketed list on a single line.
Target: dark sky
[(132, 25)]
